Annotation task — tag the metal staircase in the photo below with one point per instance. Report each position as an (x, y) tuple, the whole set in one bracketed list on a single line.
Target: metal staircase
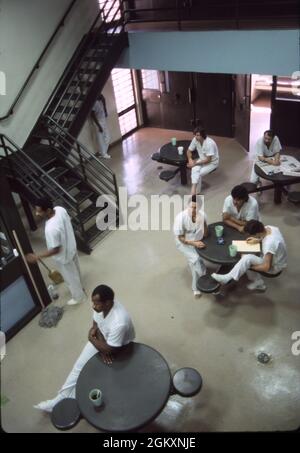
[(70, 175)]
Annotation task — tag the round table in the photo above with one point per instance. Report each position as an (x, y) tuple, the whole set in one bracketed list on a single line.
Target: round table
[(135, 388), (279, 180), (169, 153), (219, 254)]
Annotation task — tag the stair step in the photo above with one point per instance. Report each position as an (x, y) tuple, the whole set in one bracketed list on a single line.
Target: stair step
[(57, 172), (60, 109), (74, 97), (70, 184), (92, 233), (84, 83), (83, 195), (43, 155), (88, 213)]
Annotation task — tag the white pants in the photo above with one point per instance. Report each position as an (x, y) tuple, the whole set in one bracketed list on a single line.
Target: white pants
[(243, 265), (72, 277), (254, 178), (196, 264), (69, 387), (201, 170), (103, 138)]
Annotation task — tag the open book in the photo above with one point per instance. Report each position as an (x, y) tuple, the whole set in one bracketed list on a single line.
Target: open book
[(243, 246)]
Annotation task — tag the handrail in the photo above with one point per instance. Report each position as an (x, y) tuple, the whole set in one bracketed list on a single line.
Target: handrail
[(82, 84), (37, 64), (69, 198)]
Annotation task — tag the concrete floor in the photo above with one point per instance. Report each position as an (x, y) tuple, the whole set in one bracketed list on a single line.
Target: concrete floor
[(219, 337)]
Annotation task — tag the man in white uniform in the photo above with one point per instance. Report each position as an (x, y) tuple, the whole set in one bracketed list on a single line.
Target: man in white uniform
[(61, 245), (98, 116), (190, 227), (239, 208), (208, 157), (112, 329), (267, 149), (273, 259)]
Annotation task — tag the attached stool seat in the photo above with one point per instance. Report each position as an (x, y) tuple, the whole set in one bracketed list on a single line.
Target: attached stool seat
[(294, 197), (250, 187), (167, 175), (65, 414), (267, 275), (156, 156), (187, 382), (206, 284)]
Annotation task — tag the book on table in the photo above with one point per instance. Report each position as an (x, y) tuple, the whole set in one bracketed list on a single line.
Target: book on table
[(245, 247)]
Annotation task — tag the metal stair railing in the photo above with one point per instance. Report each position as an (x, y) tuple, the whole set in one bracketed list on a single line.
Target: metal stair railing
[(79, 158), (40, 183), (81, 86)]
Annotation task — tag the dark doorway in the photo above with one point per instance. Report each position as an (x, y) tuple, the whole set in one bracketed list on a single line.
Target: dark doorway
[(183, 100), (242, 108)]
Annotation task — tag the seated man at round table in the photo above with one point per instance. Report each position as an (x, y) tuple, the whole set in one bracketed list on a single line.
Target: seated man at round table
[(267, 149), (239, 208), (273, 257), (207, 160), (112, 329), (190, 227)]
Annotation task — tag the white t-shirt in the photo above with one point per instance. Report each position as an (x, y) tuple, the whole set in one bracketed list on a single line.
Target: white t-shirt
[(59, 233), (184, 226), (275, 244), (249, 210), (99, 110), (209, 148), (116, 327), (261, 148)]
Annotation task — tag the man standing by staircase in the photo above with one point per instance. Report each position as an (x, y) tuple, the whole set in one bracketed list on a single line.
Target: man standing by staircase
[(61, 246), (98, 116)]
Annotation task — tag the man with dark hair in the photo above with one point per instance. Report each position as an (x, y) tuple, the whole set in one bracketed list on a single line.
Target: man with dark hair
[(273, 257), (98, 117), (61, 246), (267, 149), (239, 208), (190, 227), (112, 330), (207, 160)]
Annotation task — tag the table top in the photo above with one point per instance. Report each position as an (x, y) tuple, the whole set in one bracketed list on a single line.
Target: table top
[(135, 388), (216, 253), (279, 177), (170, 152)]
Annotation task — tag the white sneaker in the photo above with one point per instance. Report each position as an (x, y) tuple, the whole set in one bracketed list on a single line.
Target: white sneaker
[(221, 278), (46, 406), (257, 286), (73, 302), (197, 293), (106, 156)]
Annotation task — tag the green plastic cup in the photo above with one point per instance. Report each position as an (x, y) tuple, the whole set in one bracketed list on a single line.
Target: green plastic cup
[(232, 250), (219, 230), (173, 141)]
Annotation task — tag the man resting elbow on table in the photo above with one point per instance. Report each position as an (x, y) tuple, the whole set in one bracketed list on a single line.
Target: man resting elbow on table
[(273, 257), (112, 329), (239, 208)]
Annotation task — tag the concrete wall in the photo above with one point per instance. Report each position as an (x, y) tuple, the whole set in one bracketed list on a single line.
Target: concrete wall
[(273, 52), (25, 28)]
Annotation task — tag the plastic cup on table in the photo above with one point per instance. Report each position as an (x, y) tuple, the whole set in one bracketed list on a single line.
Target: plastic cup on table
[(95, 396), (180, 150), (219, 231), (232, 250), (173, 141)]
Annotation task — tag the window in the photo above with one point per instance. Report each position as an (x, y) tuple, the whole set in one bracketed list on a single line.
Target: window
[(106, 5), (150, 79), (125, 100)]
